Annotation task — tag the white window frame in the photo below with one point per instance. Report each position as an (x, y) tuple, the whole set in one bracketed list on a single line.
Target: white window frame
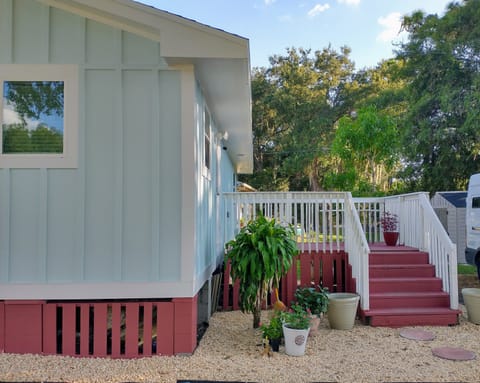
[(69, 75)]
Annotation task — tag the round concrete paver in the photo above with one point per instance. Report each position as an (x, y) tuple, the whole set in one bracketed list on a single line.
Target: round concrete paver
[(416, 334), (453, 353)]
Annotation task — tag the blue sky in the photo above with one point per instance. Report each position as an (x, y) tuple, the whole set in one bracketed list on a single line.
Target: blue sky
[(366, 26)]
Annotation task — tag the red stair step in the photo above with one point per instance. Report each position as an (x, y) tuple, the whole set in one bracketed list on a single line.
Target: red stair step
[(378, 285), (409, 300), (397, 258), (402, 270), (412, 317)]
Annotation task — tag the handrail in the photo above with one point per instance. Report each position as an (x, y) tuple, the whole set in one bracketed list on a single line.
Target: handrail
[(356, 246), (421, 228)]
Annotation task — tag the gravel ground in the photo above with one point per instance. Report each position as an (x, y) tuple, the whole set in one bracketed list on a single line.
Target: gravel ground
[(231, 350)]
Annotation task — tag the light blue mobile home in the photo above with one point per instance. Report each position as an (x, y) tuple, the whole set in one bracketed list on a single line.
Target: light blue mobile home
[(152, 121)]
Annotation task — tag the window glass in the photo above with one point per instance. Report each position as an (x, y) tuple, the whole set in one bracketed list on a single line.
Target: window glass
[(39, 116), (476, 202), (32, 117), (207, 140)]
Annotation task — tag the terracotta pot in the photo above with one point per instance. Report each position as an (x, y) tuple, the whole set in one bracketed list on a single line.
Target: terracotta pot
[(390, 237)]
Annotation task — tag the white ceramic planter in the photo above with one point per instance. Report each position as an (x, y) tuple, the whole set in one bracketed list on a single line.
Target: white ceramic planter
[(342, 310), (471, 297), (295, 341)]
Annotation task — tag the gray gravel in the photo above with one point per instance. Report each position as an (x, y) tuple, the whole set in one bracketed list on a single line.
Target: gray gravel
[(231, 350)]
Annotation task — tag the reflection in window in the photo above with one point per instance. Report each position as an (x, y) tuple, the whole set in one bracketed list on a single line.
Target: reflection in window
[(33, 117)]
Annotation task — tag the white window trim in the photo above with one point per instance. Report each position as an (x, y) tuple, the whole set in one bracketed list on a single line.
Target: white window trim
[(69, 75)]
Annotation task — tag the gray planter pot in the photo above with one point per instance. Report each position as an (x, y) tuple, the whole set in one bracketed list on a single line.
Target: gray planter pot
[(471, 297), (342, 310)]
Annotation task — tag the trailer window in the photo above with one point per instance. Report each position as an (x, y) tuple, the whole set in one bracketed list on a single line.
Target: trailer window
[(476, 203)]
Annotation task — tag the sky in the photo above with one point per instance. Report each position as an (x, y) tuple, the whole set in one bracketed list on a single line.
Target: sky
[(368, 27)]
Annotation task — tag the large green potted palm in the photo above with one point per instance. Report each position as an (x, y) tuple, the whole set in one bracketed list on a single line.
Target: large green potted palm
[(260, 254)]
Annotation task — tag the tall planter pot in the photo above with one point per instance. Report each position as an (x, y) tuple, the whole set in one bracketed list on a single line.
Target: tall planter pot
[(342, 310), (390, 237), (471, 297), (295, 340)]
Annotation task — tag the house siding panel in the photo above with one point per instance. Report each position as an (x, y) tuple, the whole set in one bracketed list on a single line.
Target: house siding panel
[(65, 28), (63, 226), (30, 31), (170, 181), (100, 194), (137, 175)]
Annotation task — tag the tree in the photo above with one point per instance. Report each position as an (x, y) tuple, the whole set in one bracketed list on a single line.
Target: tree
[(300, 97), (367, 146), (440, 132)]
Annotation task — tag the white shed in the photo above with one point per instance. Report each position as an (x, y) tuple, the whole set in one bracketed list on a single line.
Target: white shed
[(450, 207)]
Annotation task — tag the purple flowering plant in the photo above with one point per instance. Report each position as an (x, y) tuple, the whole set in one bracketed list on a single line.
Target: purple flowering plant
[(389, 222)]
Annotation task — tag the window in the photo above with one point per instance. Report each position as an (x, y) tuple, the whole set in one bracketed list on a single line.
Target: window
[(39, 116), (476, 202), (207, 132)]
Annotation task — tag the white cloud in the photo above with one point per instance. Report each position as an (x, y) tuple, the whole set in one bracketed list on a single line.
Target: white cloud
[(391, 27), (10, 116), (349, 2), (317, 9), (269, 2)]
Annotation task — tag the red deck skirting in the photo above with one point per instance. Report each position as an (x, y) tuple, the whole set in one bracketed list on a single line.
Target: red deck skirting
[(327, 269), (128, 329)]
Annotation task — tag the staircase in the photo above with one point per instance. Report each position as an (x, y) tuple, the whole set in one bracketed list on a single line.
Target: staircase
[(404, 290)]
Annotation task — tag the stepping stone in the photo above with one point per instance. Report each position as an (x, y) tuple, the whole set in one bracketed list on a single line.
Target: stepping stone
[(416, 334), (453, 353)]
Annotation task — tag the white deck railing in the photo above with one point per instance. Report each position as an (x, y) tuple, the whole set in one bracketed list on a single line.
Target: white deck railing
[(333, 221), (318, 218), (421, 228)]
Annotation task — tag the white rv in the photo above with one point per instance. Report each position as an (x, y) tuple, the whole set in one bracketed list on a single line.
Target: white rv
[(472, 251)]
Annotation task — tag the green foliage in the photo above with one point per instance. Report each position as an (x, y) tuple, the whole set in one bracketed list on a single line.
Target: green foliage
[(296, 318), (367, 147), (18, 139), (32, 98), (467, 269), (273, 330), (440, 132), (312, 300), (261, 253)]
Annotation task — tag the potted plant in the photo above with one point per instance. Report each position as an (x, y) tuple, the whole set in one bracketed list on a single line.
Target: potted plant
[(315, 301), (261, 253), (389, 223), (273, 331), (296, 326)]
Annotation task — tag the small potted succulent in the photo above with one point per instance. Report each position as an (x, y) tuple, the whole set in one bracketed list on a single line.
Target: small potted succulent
[(315, 301), (389, 223), (296, 326), (272, 331)]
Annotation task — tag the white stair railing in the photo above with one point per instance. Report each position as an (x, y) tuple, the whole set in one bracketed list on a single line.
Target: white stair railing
[(358, 251), (421, 228)]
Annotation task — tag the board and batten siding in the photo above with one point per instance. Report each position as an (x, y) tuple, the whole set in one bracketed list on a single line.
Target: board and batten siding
[(119, 225)]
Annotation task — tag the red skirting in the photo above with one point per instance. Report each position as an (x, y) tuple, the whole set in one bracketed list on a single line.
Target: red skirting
[(116, 329)]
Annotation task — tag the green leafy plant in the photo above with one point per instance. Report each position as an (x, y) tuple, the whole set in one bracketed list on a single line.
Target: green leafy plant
[(312, 299), (296, 318), (261, 253), (273, 329)]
